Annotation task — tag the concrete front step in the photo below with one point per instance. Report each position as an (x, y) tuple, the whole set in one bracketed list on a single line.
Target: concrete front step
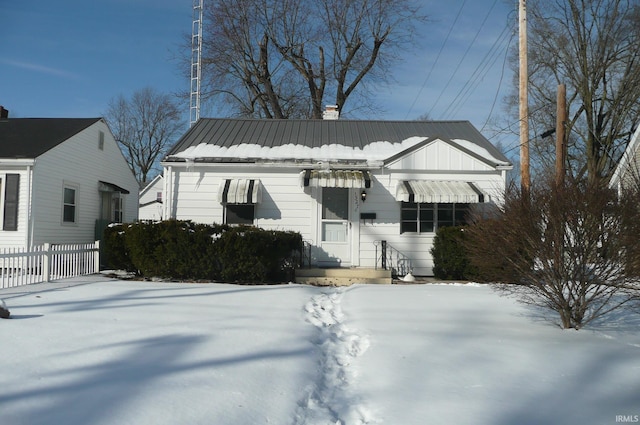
[(342, 276)]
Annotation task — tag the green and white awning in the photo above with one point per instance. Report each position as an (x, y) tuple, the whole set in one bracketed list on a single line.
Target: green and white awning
[(436, 191), (335, 178)]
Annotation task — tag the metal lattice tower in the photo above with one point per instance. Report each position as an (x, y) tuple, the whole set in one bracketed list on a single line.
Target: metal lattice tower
[(196, 61)]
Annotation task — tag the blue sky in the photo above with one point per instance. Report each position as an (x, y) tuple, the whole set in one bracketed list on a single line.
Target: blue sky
[(68, 58)]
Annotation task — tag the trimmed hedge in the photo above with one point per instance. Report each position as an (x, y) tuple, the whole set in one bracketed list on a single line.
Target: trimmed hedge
[(450, 259), (175, 249)]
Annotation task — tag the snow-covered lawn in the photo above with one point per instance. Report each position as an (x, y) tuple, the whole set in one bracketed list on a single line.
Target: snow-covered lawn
[(99, 351)]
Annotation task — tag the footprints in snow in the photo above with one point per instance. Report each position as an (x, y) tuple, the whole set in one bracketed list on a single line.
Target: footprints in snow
[(331, 399)]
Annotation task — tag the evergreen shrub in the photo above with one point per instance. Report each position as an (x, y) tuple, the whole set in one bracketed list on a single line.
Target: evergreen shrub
[(174, 249), (450, 259), (114, 254)]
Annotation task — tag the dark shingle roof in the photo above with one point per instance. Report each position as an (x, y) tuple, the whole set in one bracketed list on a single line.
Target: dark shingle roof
[(31, 137), (316, 133)]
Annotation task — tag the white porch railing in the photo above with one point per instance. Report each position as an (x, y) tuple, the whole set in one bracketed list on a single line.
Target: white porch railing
[(44, 263)]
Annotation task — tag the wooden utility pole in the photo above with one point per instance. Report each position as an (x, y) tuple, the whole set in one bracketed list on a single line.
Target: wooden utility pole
[(561, 140), (525, 177)]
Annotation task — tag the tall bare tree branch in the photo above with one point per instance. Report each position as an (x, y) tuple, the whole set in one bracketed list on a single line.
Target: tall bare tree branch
[(286, 58), (145, 126)]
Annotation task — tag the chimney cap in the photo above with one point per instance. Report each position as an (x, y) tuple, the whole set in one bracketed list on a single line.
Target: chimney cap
[(331, 112)]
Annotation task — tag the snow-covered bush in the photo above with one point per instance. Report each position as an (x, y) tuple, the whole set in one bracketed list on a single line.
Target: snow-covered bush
[(573, 250)]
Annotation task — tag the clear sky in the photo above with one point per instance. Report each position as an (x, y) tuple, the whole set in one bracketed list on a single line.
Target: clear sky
[(68, 58)]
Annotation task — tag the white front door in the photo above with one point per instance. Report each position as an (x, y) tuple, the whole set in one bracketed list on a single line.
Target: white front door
[(335, 232)]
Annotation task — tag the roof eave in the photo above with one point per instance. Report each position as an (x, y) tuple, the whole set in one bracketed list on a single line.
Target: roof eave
[(17, 162)]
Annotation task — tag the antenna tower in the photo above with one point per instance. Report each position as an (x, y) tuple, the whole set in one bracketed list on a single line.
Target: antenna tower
[(196, 61)]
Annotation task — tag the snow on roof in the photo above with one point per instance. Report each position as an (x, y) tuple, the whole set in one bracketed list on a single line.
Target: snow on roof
[(325, 140), (376, 151)]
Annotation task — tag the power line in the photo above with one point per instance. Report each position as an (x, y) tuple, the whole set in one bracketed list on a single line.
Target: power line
[(495, 98), (433, 65), (478, 74), (463, 57)]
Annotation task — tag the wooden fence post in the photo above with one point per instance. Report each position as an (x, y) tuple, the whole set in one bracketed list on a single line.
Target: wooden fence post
[(96, 258), (46, 262)]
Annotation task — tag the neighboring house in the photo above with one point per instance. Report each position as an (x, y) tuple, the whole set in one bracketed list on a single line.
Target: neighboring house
[(151, 200), (61, 181), (627, 173), (345, 185)]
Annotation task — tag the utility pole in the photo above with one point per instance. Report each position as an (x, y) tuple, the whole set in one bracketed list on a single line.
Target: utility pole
[(561, 140), (525, 177)]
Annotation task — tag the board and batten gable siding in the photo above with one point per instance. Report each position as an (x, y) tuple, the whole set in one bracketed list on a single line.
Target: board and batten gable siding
[(439, 156), (15, 238), (79, 163), (284, 204)]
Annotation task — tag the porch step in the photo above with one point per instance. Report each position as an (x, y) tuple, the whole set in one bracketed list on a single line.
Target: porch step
[(342, 276)]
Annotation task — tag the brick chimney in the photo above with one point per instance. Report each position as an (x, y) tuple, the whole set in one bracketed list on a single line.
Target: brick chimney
[(4, 113), (331, 113)]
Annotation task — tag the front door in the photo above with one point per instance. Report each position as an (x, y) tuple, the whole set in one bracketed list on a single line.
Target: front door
[(334, 227)]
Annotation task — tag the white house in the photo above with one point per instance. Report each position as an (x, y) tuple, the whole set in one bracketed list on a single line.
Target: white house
[(627, 172), (349, 187), (150, 207), (61, 181)]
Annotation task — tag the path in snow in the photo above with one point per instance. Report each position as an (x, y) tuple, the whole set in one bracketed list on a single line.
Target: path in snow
[(332, 399)]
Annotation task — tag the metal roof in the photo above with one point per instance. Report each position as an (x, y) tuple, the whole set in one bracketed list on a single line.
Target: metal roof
[(31, 137), (228, 132)]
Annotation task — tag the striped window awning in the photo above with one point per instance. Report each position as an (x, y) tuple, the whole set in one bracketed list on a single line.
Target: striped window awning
[(240, 191), (434, 191), (335, 178)]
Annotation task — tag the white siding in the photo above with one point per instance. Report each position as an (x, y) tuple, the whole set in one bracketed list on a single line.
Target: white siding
[(78, 162), (631, 173), (149, 208), (386, 226), (287, 206), (15, 238), (284, 205)]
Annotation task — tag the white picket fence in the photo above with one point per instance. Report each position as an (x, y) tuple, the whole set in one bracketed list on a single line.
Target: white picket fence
[(44, 263)]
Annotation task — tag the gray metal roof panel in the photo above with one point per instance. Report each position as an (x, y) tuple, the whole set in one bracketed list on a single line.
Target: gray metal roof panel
[(227, 132)]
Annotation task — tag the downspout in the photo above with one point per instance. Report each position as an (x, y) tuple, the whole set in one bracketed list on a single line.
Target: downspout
[(168, 184)]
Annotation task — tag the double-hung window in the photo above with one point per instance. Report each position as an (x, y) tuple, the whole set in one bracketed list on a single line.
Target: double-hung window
[(69, 204), (428, 217), (10, 204)]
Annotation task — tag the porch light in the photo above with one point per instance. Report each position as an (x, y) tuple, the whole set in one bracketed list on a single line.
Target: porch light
[(363, 195)]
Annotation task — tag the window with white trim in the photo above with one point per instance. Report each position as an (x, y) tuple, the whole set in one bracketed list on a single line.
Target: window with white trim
[(69, 204), (428, 217), (10, 201), (118, 207)]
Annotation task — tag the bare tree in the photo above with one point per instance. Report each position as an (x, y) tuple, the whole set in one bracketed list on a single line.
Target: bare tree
[(286, 58), (592, 46), (144, 126), (572, 250)]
